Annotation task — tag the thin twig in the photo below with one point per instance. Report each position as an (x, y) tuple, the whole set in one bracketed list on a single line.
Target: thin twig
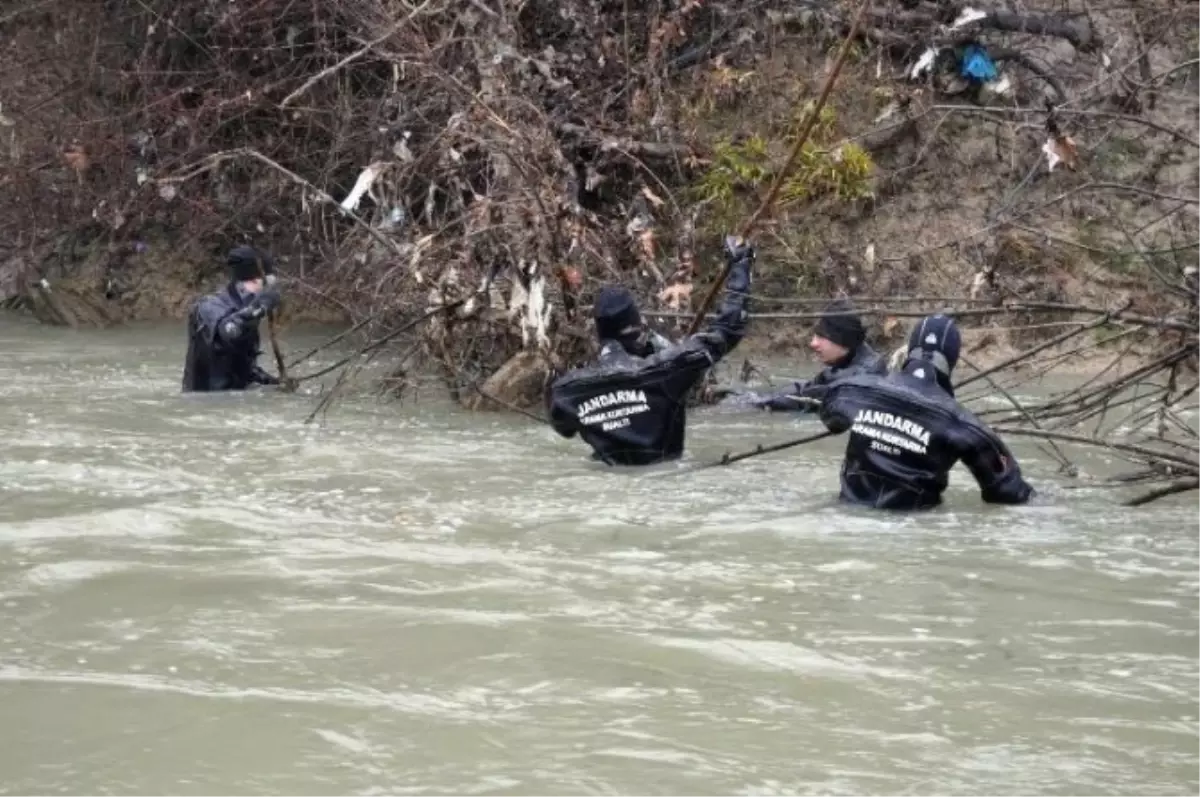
[(354, 56), (1039, 348), (1066, 465)]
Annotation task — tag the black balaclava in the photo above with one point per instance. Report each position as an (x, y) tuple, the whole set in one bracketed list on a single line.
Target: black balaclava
[(937, 340), (243, 262), (845, 330), (617, 318)]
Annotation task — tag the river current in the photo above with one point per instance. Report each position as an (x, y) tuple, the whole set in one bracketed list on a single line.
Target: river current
[(205, 594)]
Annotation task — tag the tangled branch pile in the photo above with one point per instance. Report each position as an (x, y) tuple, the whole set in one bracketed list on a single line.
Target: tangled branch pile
[(503, 158)]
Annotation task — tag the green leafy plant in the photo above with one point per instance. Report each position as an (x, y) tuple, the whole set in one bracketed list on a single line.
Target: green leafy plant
[(746, 167), (735, 167), (843, 173)]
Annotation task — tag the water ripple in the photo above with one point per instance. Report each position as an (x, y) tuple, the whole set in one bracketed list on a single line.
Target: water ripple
[(206, 594)]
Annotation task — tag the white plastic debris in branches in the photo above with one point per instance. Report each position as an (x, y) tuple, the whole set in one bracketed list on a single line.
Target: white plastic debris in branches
[(400, 148), (414, 259), (530, 304), (518, 297), (979, 284), (473, 302), (395, 219), (537, 312), (361, 186), (1052, 156), (923, 64), (430, 201), (968, 16)]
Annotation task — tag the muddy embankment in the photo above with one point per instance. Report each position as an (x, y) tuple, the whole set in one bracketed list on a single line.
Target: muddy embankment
[(514, 157)]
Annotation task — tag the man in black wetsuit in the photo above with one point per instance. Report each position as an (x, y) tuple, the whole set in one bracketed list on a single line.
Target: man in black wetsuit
[(839, 342), (223, 341), (907, 431), (630, 405)]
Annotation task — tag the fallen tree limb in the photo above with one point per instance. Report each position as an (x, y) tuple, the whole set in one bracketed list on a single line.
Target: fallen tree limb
[(1138, 451), (1078, 33), (392, 335), (653, 149), (1012, 307), (1123, 117), (728, 458), (1181, 486), (1036, 349), (334, 340), (1065, 464), (889, 23)]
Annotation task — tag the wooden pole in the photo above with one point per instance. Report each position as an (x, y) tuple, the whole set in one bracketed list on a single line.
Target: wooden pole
[(285, 383)]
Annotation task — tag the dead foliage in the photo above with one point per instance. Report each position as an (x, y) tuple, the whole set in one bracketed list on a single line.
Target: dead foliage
[(504, 159)]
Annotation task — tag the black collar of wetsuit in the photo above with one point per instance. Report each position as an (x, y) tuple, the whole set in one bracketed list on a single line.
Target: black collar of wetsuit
[(640, 345), (851, 356), (942, 380)]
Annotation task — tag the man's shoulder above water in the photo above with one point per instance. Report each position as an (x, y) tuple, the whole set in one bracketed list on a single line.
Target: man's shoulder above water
[(222, 298), (615, 359), (867, 360), (611, 360), (912, 381)]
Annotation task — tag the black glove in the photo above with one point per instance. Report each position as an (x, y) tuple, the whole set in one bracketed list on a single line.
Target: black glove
[(739, 255), (738, 251), (268, 299), (264, 378)]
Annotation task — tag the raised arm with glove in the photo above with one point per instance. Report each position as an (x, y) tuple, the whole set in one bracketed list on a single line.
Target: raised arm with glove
[(629, 406)]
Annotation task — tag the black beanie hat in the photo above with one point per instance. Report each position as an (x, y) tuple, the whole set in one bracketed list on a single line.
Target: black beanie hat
[(614, 311), (844, 330), (937, 340), (243, 262)]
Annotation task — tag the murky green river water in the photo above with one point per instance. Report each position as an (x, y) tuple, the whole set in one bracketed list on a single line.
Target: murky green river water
[(204, 595)]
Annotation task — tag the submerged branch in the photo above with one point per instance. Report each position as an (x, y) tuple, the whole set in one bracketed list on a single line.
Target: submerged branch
[(1137, 451), (1174, 488)]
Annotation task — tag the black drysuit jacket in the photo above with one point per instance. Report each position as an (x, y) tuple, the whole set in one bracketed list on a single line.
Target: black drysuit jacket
[(906, 433), (223, 344), (806, 396), (632, 410)]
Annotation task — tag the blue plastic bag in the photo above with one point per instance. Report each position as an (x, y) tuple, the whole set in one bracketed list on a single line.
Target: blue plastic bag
[(978, 65)]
